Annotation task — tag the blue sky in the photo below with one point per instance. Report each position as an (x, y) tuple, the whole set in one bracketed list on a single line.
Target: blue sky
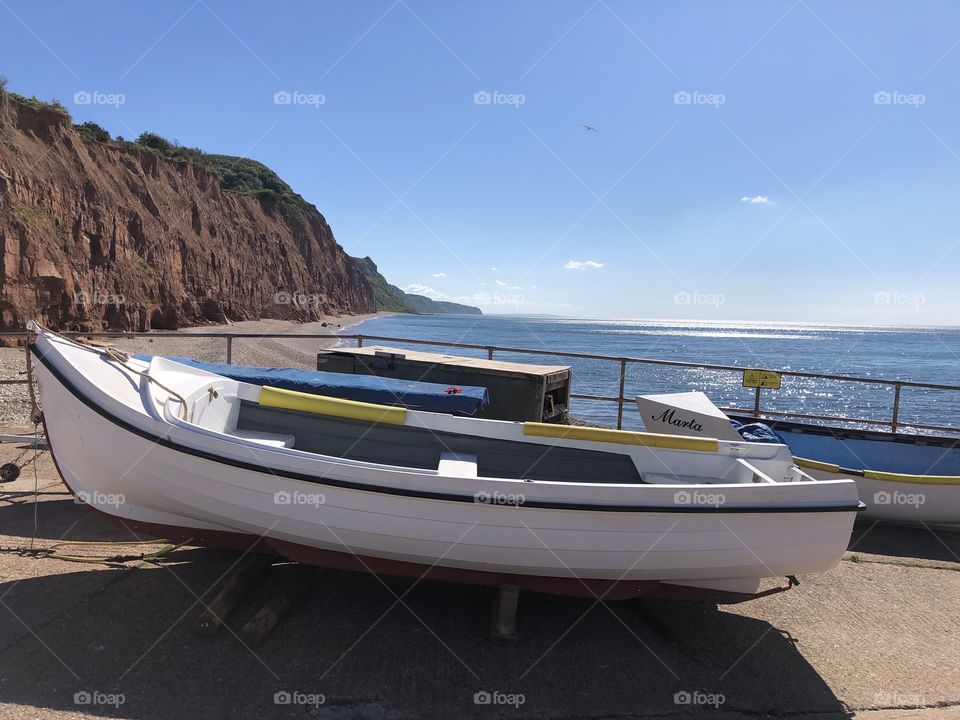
[(793, 161)]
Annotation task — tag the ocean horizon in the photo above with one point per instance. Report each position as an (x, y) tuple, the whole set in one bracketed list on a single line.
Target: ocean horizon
[(928, 354)]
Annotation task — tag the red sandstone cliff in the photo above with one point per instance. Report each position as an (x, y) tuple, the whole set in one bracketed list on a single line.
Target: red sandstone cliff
[(97, 236)]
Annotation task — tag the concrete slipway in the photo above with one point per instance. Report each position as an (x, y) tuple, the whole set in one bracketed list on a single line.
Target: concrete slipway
[(878, 637)]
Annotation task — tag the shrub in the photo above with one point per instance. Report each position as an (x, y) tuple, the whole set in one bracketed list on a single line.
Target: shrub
[(155, 142), (91, 131)]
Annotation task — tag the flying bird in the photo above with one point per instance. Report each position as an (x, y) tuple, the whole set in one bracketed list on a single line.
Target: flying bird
[(588, 128)]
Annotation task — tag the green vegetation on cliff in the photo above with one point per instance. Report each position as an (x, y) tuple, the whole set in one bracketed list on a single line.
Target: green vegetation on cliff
[(237, 174), (390, 298)]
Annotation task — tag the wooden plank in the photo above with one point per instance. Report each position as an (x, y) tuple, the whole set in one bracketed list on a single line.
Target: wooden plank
[(41, 442), (250, 569), (457, 465), (458, 360), (267, 617), (503, 627)]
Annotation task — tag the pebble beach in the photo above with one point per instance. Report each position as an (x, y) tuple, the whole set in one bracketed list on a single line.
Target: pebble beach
[(288, 351)]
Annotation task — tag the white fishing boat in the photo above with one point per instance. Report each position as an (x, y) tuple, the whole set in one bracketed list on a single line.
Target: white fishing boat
[(901, 478), (179, 452)]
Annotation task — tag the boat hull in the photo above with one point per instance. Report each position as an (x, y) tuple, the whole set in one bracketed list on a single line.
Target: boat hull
[(157, 485), (915, 503)]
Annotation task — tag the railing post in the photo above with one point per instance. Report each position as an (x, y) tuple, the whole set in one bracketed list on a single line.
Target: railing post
[(621, 398), (897, 387), (229, 349), (756, 402), (359, 341), (490, 353)]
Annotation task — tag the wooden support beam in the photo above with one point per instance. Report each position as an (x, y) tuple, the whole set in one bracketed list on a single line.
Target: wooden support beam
[(260, 625), (249, 570), (503, 627)]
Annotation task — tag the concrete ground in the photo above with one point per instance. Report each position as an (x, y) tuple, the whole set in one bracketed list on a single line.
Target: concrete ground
[(878, 637)]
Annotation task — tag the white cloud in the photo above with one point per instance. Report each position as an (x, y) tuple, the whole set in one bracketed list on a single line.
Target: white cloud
[(421, 289), (439, 275), (495, 269), (501, 283), (583, 265), (756, 200)]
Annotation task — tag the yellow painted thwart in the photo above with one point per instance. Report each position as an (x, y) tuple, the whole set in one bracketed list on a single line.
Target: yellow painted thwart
[(621, 437), (335, 407)]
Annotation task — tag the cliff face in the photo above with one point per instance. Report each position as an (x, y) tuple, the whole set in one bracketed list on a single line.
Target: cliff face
[(97, 236)]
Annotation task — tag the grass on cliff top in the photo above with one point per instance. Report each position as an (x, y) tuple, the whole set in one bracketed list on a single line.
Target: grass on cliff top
[(33, 101), (237, 174)]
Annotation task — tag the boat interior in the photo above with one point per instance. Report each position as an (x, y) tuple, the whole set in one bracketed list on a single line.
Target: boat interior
[(381, 434), (426, 449)]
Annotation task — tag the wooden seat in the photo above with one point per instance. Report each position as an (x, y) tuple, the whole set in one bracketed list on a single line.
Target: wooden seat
[(266, 438), (457, 465)]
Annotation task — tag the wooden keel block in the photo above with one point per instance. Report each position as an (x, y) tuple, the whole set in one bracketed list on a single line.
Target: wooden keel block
[(283, 598), (503, 628), (249, 570)]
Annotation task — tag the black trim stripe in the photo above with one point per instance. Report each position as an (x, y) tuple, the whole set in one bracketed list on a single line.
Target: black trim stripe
[(429, 495)]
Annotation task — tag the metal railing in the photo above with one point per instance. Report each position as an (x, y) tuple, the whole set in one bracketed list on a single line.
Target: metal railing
[(894, 423)]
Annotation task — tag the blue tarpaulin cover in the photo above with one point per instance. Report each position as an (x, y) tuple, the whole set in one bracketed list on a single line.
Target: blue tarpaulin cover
[(757, 432), (432, 397)]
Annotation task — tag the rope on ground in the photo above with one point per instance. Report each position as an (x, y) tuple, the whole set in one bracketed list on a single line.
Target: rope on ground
[(52, 553)]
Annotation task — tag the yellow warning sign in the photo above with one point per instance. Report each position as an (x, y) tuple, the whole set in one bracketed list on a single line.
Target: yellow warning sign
[(761, 379)]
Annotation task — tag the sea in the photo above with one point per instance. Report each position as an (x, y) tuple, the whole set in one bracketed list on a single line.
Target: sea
[(919, 354)]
